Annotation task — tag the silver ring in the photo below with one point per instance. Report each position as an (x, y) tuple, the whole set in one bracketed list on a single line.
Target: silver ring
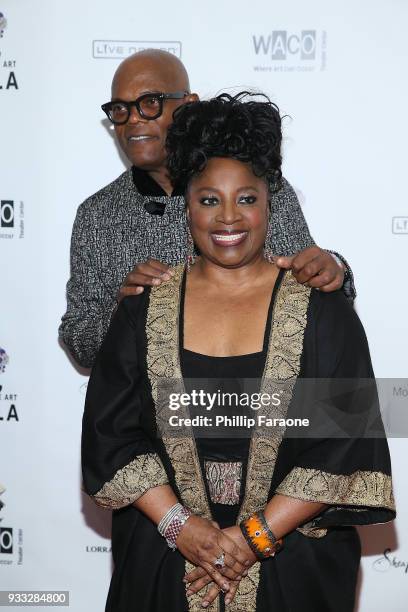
[(220, 561)]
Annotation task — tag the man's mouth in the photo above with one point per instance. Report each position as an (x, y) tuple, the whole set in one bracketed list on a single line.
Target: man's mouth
[(140, 138), (224, 238)]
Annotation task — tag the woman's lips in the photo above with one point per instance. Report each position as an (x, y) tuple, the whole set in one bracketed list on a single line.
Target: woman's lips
[(226, 239)]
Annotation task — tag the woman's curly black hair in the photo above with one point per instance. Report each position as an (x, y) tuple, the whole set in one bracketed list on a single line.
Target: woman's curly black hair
[(237, 127)]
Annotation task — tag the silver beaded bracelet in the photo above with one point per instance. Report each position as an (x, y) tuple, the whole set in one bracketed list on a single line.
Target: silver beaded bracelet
[(172, 522)]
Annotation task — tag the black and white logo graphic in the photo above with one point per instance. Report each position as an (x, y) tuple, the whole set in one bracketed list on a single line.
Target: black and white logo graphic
[(11, 219), (11, 540), (8, 78), (288, 51), (400, 225), (120, 49), (8, 399), (6, 213), (6, 540)]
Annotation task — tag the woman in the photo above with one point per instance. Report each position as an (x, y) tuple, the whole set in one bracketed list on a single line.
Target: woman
[(225, 504)]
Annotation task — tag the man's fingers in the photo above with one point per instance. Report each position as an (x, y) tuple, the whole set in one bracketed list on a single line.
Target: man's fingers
[(336, 284), (151, 272), (142, 280), (299, 260), (285, 262), (125, 291), (308, 271), (324, 279), (157, 266)]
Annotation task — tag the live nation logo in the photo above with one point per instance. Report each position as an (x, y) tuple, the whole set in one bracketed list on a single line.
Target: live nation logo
[(120, 49), (8, 79), (290, 51), (8, 399), (11, 219), (400, 225)]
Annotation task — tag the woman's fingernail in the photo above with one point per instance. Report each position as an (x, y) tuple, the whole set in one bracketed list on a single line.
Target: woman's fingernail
[(166, 276), (189, 592), (245, 573), (171, 272), (225, 586), (205, 604), (156, 281), (228, 601)]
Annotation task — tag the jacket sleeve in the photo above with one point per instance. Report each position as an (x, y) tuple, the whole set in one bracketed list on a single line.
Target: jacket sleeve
[(89, 303), (119, 458)]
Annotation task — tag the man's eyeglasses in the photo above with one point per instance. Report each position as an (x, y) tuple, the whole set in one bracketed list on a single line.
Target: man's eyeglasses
[(149, 106)]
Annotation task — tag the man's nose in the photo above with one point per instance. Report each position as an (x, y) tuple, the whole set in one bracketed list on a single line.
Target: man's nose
[(134, 116)]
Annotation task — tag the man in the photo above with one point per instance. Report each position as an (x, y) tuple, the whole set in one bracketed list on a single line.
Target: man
[(140, 217)]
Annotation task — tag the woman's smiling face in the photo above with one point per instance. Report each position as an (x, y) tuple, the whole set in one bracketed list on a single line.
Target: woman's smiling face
[(228, 211)]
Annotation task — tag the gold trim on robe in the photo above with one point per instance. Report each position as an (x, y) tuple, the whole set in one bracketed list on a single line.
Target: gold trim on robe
[(132, 481), (361, 488), (163, 361), (281, 368)]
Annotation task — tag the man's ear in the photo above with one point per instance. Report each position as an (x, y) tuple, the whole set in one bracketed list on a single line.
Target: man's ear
[(193, 97)]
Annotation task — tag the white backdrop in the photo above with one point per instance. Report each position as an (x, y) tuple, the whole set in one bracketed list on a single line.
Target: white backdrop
[(339, 69)]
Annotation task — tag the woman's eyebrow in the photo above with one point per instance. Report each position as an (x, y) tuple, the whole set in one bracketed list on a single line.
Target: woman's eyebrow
[(244, 188)]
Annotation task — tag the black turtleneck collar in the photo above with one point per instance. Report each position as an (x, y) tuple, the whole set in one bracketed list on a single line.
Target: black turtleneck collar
[(147, 186)]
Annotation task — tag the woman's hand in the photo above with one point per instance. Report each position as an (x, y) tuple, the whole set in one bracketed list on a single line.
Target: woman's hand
[(201, 542), (199, 578)]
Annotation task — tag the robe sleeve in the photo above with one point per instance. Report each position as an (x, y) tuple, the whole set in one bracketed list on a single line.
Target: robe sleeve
[(119, 459), (347, 466)]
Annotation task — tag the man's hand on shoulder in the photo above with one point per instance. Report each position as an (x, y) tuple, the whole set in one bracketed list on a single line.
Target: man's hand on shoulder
[(314, 267), (149, 273)]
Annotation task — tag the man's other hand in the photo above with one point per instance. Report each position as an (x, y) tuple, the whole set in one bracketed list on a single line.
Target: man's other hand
[(149, 273), (314, 267)]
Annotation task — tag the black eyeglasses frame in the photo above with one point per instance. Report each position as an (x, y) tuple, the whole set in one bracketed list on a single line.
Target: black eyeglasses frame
[(107, 107)]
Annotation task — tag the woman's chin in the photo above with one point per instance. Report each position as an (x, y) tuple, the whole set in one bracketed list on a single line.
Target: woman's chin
[(230, 260)]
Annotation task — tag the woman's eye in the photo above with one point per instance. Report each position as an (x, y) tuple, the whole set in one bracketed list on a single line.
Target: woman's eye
[(249, 199), (209, 201)]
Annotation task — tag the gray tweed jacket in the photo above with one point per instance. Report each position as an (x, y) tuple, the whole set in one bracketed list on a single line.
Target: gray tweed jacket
[(112, 232)]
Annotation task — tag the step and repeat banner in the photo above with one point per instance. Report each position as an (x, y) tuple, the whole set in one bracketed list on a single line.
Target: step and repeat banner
[(338, 71)]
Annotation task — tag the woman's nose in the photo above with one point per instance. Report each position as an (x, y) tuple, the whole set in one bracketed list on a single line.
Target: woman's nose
[(229, 213)]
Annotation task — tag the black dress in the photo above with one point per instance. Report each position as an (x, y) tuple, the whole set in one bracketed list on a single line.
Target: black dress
[(308, 335)]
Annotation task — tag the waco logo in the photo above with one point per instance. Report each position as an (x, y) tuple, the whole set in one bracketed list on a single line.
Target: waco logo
[(281, 45)]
